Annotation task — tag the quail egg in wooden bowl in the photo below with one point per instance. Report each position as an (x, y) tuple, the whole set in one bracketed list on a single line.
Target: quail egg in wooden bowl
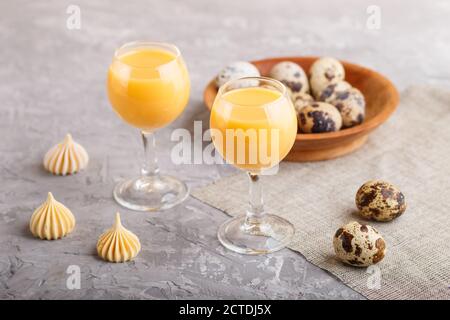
[(363, 97)]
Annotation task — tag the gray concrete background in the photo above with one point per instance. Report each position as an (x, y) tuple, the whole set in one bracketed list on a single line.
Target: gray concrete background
[(52, 81)]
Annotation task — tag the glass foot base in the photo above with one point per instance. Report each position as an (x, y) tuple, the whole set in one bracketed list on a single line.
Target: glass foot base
[(150, 193), (271, 234)]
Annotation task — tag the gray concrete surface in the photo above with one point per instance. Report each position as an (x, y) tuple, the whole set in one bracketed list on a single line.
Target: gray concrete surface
[(52, 81)]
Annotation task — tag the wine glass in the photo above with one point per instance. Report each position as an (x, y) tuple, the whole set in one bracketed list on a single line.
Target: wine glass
[(148, 87), (253, 126)]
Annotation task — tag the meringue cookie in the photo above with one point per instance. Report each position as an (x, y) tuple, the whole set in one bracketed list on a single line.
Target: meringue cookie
[(67, 157), (118, 244), (52, 220)]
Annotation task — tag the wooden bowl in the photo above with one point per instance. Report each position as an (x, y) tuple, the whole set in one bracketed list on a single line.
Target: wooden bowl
[(381, 101)]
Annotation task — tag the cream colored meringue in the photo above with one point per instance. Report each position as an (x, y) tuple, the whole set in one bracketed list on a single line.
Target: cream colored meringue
[(118, 244), (52, 220), (67, 157)]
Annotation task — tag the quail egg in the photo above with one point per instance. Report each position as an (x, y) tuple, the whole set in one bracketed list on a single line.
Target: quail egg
[(323, 72), (301, 100), (380, 200), (319, 117), (359, 245), (291, 75), (351, 105), (236, 70), (330, 92)]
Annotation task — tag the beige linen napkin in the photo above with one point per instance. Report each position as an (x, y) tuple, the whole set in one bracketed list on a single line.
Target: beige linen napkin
[(411, 150)]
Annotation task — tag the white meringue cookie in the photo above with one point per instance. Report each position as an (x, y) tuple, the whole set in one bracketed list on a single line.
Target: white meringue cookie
[(67, 157)]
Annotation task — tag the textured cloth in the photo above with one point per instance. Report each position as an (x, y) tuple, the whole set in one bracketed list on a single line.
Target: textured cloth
[(412, 151)]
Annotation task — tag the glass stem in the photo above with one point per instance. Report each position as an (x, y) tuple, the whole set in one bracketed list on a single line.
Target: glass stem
[(256, 212), (150, 165)]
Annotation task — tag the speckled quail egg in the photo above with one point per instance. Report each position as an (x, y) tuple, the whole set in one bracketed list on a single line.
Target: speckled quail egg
[(323, 72), (301, 100), (380, 200), (236, 70), (291, 75), (351, 104), (330, 92), (319, 117), (359, 245)]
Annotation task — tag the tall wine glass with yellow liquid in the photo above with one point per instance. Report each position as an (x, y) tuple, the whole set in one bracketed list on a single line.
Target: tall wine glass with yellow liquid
[(148, 87), (253, 126)]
